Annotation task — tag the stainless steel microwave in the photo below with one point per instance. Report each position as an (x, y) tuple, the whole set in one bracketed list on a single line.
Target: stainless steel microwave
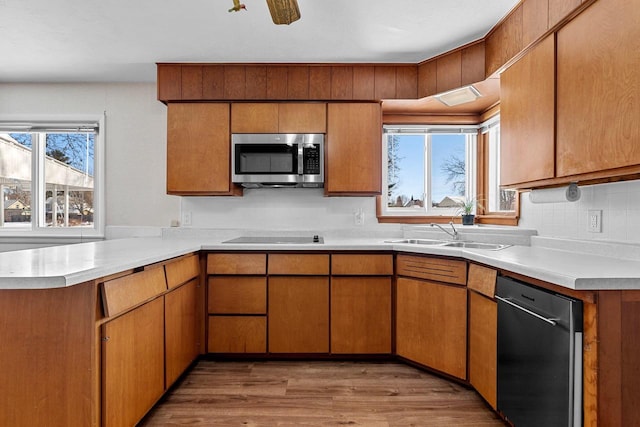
[(278, 160)]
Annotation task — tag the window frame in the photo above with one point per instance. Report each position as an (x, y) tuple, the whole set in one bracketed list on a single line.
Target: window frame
[(483, 215), (486, 215), (428, 213), (53, 124)]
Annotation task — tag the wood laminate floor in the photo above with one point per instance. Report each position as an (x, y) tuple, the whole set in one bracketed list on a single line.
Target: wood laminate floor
[(311, 393)]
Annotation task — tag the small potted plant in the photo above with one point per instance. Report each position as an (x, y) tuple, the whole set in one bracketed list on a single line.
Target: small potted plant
[(467, 210)]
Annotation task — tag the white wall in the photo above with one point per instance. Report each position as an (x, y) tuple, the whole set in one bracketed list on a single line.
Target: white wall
[(619, 202), (135, 142), (280, 209)]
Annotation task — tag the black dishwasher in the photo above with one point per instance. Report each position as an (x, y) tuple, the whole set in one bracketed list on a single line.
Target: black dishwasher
[(539, 356)]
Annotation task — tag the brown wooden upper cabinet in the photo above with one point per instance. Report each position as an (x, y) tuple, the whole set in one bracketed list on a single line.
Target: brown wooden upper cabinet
[(291, 117), (527, 117), (567, 107), (353, 149), (286, 82), (598, 90), (198, 149)]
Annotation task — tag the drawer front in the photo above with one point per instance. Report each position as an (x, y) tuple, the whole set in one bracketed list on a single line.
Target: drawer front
[(237, 334), (120, 294), (182, 270), (236, 263), (299, 264), (482, 280), (441, 270), (362, 265), (237, 295)]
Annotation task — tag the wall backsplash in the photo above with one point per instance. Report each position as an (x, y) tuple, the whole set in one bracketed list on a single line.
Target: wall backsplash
[(279, 209), (619, 202)]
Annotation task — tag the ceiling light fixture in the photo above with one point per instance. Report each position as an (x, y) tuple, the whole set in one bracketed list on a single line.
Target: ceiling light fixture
[(459, 96), (284, 11)]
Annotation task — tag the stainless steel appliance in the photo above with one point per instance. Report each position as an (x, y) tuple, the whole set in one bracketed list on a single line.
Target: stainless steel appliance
[(539, 356), (278, 160)]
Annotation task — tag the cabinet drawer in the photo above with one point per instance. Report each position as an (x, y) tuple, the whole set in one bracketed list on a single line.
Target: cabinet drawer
[(442, 270), (236, 263), (182, 270), (237, 295), (296, 264), (362, 265), (482, 280), (237, 334), (125, 292)]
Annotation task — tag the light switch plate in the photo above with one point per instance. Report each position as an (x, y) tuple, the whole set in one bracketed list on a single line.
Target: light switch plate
[(594, 224)]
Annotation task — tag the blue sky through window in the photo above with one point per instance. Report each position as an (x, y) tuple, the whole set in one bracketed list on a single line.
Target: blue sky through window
[(411, 168)]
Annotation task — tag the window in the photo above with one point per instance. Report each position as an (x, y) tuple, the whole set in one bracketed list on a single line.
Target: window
[(430, 170), (50, 178), (499, 200)]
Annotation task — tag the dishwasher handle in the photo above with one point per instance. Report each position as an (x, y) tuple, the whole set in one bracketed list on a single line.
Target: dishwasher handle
[(519, 307)]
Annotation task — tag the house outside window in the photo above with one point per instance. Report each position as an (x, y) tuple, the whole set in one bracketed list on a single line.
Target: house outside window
[(51, 178), (430, 170)]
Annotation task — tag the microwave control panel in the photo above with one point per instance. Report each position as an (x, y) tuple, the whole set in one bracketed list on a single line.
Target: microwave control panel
[(311, 159)]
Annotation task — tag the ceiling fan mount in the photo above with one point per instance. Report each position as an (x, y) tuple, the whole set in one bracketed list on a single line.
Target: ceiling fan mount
[(283, 12)]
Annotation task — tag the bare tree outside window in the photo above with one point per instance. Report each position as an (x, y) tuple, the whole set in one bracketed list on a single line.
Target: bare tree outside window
[(76, 150), (454, 168)]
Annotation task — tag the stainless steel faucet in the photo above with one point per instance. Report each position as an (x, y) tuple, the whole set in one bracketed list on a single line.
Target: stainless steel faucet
[(454, 235)]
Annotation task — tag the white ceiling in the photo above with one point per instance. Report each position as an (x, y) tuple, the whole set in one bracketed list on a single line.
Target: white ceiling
[(121, 40)]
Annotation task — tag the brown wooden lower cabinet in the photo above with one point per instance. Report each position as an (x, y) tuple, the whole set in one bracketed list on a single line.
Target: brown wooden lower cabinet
[(237, 334), (180, 323), (360, 315), (431, 325), (298, 314), (483, 347), (132, 364), (48, 374)]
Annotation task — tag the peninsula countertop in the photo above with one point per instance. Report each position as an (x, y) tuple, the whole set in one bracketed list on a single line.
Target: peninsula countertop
[(68, 265)]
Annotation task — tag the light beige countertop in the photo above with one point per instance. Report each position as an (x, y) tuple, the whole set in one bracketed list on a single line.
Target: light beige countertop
[(67, 265)]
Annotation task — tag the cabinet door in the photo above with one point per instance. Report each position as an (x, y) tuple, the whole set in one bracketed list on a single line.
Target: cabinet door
[(431, 325), (354, 149), (296, 117), (298, 314), (527, 117), (181, 341), (254, 117), (237, 334), (198, 149), (483, 330), (132, 364), (598, 89), (361, 315)]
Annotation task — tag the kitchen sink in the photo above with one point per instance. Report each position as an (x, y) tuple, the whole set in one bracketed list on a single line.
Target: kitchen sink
[(417, 241), (450, 244), (475, 245)]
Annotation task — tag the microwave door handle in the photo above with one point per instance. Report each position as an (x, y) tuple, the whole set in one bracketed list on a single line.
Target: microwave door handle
[(300, 159)]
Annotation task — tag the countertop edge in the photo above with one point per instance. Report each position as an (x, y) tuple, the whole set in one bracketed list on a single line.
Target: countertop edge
[(528, 261)]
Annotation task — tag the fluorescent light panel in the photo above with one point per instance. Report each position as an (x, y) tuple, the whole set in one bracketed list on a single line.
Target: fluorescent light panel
[(459, 96)]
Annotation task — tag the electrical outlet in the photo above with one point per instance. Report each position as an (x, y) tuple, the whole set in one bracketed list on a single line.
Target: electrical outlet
[(595, 221), (186, 219), (358, 217)]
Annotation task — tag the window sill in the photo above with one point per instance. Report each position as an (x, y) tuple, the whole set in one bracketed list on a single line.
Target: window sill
[(510, 219)]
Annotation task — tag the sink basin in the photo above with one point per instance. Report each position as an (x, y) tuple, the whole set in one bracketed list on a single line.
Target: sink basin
[(475, 245), (417, 241)]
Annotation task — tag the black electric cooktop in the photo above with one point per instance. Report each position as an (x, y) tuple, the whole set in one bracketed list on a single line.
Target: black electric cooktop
[(276, 239)]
